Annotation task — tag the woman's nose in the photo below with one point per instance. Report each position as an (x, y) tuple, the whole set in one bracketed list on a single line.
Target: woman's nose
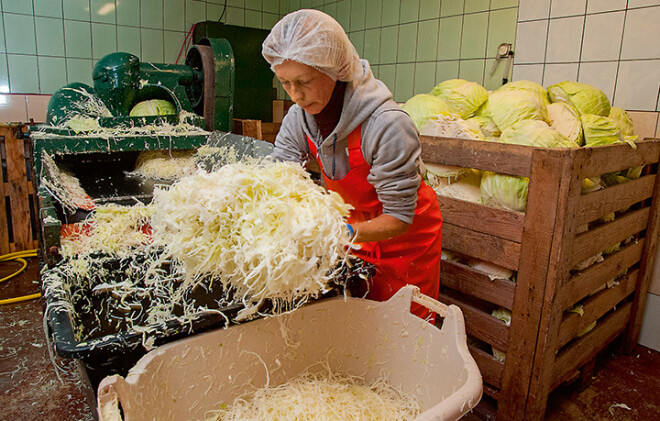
[(296, 94)]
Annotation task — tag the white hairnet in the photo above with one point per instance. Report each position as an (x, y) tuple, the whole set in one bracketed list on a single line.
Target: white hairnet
[(313, 38)]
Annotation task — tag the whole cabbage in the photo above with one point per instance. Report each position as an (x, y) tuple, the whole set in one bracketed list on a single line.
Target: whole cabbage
[(585, 98), (504, 191), (462, 96), (625, 123), (535, 133), (486, 124), (600, 130), (529, 86), (566, 120), (509, 106), (153, 107), (423, 106)]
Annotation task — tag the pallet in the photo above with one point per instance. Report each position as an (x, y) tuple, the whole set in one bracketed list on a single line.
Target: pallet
[(18, 227), (543, 347)]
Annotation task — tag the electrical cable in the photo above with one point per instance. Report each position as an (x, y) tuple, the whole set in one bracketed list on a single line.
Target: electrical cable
[(20, 257), (223, 12)]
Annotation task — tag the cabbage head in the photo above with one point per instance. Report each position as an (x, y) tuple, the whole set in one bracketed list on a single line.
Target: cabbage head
[(585, 98), (504, 191), (528, 86), (625, 123), (486, 124), (535, 133), (423, 106), (450, 125), (566, 120), (509, 106), (153, 107), (462, 96), (600, 130)]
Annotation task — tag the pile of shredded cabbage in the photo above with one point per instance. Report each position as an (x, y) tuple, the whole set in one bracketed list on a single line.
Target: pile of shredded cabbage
[(322, 397), (165, 164), (111, 230), (266, 230), (64, 187)]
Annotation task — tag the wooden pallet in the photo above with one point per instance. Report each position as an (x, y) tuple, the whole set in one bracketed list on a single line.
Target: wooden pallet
[(542, 345), (18, 228)]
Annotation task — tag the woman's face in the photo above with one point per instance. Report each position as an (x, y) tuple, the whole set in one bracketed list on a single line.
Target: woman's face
[(307, 87)]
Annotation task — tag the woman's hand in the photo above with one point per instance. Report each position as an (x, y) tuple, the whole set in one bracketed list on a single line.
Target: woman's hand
[(382, 227)]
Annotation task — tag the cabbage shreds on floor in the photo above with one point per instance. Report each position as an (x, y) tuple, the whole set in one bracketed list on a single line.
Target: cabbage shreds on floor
[(323, 397), (111, 229), (266, 230), (64, 187), (165, 164)]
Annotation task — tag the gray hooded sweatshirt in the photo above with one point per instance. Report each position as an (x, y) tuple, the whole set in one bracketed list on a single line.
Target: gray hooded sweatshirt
[(390, 143)]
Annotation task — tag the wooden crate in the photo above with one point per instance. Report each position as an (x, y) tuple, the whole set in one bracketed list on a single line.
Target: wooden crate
[(257, 129), (542, 345), (18, 227)]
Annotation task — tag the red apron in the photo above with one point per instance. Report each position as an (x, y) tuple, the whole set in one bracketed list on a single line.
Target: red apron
[(410, 258)]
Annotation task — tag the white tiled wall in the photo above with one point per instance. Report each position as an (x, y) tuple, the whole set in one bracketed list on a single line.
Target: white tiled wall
[(612, 44)]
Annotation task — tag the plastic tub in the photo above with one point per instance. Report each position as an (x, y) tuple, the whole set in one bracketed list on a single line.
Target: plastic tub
[(187, 378)]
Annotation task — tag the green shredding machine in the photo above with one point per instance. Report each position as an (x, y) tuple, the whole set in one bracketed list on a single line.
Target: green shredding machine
[(93, 133)]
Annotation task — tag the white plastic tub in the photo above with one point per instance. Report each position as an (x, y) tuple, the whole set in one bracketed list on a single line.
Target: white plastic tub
[(183, 380)]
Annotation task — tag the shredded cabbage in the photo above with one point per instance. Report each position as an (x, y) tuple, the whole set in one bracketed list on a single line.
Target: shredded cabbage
[(165, 164), (268, 230), (450, 125)]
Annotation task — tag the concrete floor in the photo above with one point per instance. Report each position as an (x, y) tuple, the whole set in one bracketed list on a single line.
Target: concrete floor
[(622, 387)]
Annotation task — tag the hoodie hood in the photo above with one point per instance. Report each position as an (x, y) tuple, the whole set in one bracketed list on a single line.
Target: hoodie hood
[(363, 96)]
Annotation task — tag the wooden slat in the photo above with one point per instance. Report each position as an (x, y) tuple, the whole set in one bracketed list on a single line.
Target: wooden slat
[(481, 325), (486, 247), (485, 219), (599, 203), (505, 159), (18, 189), (539, 289), (595, 307), (490, 368), (585, 348), (462, 278), (598, 239), (585, 282), (605, 159), (646, 270)]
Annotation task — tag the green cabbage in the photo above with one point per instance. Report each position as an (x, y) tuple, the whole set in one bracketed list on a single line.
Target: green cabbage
[(625, 123), (530, 87), (535, 133), (566, 120), (509, 106), (600, 130), (585, 98), (504, 191), (423, 106), (153, 107), (486, 124), (462, 96), (451, 125)]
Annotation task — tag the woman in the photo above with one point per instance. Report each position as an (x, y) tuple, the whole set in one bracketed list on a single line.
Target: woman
[(366, 145)]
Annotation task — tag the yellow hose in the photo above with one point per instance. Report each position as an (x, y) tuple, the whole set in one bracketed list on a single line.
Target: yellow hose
[(18, 256)]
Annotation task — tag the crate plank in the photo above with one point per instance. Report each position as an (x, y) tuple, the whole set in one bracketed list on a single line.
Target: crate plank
[(490, 368), (610, 158), (514, 160), (646, 269), (585, 282), (498, 222), (481, 325), (17, 189), (598, 239), (597, 204), (481, 246), (269, 131), (250, 128), (462, 278), (545, 202), (588, 346), (595, 307)]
